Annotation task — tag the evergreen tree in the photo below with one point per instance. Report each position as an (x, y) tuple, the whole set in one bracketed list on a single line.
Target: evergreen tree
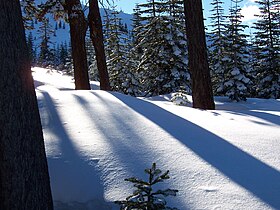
[(116, 39), (236, 61), (267, 53), (69, 66), (63, 53), (135, 51), (56, 55), (137, 25), (91, 57), (145, 196), (252, 61), (163, 65), (31, 48), (45, 32), (217, 47)]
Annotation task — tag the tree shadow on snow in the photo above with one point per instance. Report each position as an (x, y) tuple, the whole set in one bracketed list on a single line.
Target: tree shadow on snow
[(271, 118), (73, 178), (242, 168), (256, 108), (127, 152)]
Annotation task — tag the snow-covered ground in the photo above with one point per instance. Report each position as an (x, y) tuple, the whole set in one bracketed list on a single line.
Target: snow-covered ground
[(223, 159)]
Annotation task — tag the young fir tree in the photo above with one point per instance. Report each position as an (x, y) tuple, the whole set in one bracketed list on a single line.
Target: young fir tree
[(267, 49), (237, 56), (163, 64), (217, 48), (145, 197)]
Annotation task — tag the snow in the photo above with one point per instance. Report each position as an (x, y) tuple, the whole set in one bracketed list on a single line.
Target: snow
[(226, 158), (235, 71)]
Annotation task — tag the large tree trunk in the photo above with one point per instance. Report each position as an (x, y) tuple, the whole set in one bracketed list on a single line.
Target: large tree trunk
[(198, 65), (24, 178), (78, 28), (96, 34)]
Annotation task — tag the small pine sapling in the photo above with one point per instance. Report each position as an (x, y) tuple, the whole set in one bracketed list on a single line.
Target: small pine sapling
[(144, 198), (181, 98)]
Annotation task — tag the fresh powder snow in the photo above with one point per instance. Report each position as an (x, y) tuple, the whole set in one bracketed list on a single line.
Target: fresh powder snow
[(226, 158)]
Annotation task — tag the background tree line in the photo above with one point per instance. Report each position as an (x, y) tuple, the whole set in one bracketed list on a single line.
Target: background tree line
[(152, 58)]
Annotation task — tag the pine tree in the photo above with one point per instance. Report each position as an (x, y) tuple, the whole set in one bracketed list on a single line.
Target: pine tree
[(69, 67), (31, 48), (145, 196), (63, 53), (114, 50), (135, 50), (91, 57), (116, 39), (252, 63), (217, 53), (236, 62), (163, 65), (56, 55), (267, 53), (45, 32)]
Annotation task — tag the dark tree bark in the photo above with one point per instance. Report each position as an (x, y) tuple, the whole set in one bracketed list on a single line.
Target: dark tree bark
[(198, 65), (78, 28), (96, 34), (24, 178)]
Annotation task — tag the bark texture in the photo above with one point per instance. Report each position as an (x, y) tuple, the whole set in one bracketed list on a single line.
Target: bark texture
[(198, 64), (78, 28), (96, 34), (24, 178)]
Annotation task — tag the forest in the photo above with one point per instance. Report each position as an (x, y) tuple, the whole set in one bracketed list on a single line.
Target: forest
[(150, 57), (67, 142)]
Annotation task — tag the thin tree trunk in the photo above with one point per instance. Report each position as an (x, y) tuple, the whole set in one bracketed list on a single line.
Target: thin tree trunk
[(198, 65), (96, 34), (24, 178), (78, 28)]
